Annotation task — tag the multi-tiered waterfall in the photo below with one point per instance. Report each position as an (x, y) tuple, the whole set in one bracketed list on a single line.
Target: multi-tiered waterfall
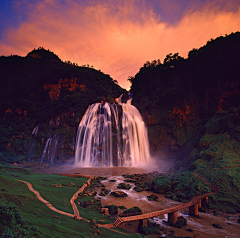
[(112, 135)]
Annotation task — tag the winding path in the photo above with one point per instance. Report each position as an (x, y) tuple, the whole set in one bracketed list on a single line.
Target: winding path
[(75, 210), (121, 220)]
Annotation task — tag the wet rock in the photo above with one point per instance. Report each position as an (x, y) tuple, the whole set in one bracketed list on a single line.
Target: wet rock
[(138, 189), (217, 225), (130, 180), (119, 194), (104, 192), (181, 221), (189, 230), (124, 186), (152, 197)]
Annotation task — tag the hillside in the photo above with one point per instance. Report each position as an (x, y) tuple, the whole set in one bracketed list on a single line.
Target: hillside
[(192, 109), (177, 97), (40, 91)]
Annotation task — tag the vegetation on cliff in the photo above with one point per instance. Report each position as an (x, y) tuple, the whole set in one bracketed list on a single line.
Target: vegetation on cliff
[(40, 89), (177, 97), (191, 107)]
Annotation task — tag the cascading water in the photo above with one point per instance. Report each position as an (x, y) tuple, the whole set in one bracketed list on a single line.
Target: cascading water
[(50, 149), (112, 135), (32, 143)]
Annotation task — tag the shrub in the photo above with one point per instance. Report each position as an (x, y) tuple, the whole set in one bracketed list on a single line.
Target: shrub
[(113, 209), (132, 210), (162, 184)]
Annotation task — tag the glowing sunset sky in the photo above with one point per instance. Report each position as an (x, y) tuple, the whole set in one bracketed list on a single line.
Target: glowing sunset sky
[(116, 36)]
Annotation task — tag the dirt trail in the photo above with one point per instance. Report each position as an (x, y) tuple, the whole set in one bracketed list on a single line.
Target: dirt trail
[(75, 215), (75, 210)]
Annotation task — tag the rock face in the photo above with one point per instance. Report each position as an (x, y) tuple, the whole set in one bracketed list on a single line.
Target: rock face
[(42, 91)]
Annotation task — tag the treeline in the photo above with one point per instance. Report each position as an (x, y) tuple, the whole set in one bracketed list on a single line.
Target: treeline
[(177, 96)]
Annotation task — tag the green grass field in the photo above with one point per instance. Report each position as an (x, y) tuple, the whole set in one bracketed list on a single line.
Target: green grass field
[(36, 219)]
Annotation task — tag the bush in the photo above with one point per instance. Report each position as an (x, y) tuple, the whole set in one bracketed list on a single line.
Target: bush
[(15, 224), (132, 210), (113, 209), (162, 184)]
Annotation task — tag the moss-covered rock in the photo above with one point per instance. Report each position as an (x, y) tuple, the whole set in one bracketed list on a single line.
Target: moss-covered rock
[(124, 186), (217, 225), (104, 192), (119, 194), (138, 189), (181, 221), (152, 197), (133, 210)]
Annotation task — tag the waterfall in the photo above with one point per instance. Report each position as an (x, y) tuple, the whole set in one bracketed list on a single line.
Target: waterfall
[(111, 135), (50, 150), (31, 148)]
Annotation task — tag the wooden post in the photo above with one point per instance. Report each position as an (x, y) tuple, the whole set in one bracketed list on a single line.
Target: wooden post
[(205, 201), (193, 210), (199, 203), (172, 217)]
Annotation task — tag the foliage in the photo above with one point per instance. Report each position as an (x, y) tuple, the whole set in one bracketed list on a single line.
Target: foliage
[(181, 186), (40, 87), (178, 96), (132, 210), (113, 209), (162, 184), (215, 160)]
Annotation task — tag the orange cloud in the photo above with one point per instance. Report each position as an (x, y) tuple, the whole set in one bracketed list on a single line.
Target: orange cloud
[(117, 37)]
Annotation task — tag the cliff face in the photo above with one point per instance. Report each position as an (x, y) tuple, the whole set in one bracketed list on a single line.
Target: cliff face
[(179, 96), (43, 100)]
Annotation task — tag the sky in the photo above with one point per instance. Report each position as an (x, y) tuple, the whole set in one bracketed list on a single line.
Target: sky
[(115, 36)]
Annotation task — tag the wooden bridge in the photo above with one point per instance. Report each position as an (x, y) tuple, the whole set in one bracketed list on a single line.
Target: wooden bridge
[(193, 205)]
